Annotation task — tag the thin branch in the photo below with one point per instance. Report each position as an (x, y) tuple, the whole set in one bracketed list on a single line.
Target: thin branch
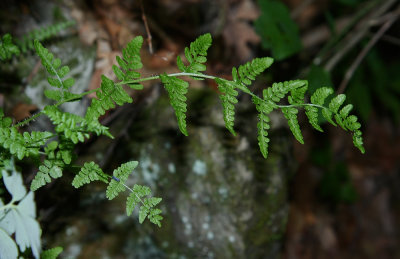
[(149, 38), (357, 34), (350, 72)]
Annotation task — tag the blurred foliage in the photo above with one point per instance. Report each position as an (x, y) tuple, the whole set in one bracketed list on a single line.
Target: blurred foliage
[(335, 185), (277, 30), (375, 81)]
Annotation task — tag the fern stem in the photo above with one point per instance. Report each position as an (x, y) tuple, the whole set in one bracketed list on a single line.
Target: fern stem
[(157, 77), (22, 123), (301, 105)]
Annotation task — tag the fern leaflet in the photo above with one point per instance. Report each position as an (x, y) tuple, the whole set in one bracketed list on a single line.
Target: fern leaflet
[(89, 172), (108, 94), (41, 34), (228, 98), (49, 169), (248, 72), (177, 89), (137, 197), (263, 126), (291, 116), (120, 175), (130, 62), (67, 124), (7, 47), (196, 55), (317, 98), (53, 68), (18, 144)]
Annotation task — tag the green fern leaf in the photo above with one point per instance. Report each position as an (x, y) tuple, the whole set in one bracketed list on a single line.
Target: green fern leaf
[(108, 94), (53, 68), (89, 172), (120, 175), (264, 108), (196, 55), (177, 89), (155, 217), (248, 72), (134, 198), (7, 47), (22, 145), (129, 63), (228, 98), (49, 169), (318, 98), (291, 116), (67, 124), (148, 210), (52, 253), (41, 34)]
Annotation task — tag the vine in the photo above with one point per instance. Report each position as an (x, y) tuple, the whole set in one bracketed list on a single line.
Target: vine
[(56, 148)]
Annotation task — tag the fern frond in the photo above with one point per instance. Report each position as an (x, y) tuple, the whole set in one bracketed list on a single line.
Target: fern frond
[(228, 99), (41, 34), (177, 89), (196, 55), (146, 204), (49, 169), (89, 172), (135, 198), (52, 66), (263, 108), (7, 47), (120, 175), (291, 116), (248, 72), (318, 98), (131, 61), (21, 145), (68, 124), (108, 94)]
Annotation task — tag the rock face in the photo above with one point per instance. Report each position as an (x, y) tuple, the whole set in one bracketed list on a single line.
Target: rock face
[(221, 199)]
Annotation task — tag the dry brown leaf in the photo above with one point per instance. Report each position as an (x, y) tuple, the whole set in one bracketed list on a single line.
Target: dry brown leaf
[(238, 33), (22, 111)]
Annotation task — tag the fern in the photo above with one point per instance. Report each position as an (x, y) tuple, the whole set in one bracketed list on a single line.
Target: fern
[(49, 169), (8, 48), (318, 98), (108, 94), (52, 66), (263, 126), (228, 98), (67, 124), (177, 89), (21, 145), (120, 175), (196, 55), (41, 34), (341, 116), (248, 72), (146, 209), (89, 172), (131, 61)]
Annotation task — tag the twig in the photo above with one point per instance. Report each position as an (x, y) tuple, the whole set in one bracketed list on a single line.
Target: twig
[(147, 28), (364, 52), (357, 35)]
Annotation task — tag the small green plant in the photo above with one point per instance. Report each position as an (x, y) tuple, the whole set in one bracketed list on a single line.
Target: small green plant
[(8, 48), (56, 149)]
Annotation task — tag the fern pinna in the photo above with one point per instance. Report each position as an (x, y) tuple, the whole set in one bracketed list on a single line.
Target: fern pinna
[(57, 148)]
